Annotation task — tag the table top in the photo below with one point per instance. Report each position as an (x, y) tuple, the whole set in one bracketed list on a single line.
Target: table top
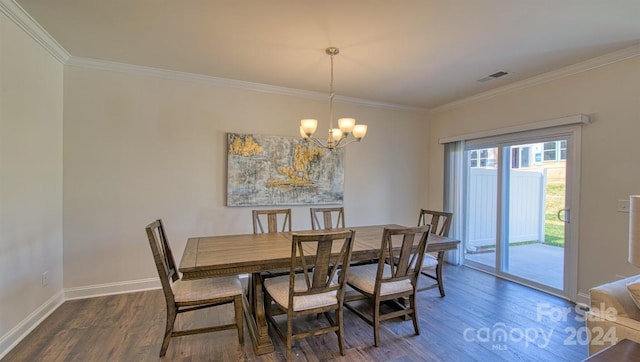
[(251, 253)]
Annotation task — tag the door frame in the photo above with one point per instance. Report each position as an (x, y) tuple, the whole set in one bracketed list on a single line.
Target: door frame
[(572, 133)]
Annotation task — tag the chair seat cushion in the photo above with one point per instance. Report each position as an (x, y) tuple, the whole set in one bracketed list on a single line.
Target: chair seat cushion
[(208, 288), (363, 277), (278, 288), (429, 261)]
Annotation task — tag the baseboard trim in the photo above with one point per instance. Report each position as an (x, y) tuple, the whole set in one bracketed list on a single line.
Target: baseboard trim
[(98, 290), (129, 286), (584, 299), (20, 331)]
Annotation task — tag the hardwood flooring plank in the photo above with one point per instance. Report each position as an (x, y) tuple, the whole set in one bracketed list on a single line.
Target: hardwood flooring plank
[(459, 327)]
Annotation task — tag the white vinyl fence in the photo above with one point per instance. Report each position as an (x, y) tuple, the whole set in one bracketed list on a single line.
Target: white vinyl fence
[(526, 204)]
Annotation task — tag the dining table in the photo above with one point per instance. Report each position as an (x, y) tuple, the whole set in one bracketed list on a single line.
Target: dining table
[(256, 254)]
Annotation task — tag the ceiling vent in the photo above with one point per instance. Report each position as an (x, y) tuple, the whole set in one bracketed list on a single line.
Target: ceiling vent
[(492, 76)]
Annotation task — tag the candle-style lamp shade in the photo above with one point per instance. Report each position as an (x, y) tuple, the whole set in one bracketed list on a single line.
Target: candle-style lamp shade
[(634, 230)]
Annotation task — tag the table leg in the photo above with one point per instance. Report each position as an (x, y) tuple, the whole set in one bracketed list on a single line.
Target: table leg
[(255, 315)]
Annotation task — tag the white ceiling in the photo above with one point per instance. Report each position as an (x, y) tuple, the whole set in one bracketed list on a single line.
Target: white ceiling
[(416, 53)]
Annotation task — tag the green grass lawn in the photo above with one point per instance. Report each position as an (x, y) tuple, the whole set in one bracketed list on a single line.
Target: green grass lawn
[(554, 228)]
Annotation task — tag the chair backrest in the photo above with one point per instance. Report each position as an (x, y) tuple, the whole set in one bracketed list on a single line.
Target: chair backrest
[(407, 260), (271, 217), (328, 215), (313, 251), (440, 221), (163, 257)]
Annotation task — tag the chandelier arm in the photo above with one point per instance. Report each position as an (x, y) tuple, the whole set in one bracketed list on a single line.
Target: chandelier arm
[(340, 145), (318, 142)]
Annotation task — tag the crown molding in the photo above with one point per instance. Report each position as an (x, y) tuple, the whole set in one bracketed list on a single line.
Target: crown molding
[(590, 64), (92, 63), (21, 18)]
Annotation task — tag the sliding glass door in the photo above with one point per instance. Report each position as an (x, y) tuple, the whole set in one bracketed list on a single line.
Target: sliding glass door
[(516, 210)]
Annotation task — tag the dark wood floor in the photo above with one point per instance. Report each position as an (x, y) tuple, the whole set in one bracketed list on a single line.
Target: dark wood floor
[(466, 325)]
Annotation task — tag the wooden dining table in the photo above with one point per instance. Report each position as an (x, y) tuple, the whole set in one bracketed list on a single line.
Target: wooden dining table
[(254, 254)]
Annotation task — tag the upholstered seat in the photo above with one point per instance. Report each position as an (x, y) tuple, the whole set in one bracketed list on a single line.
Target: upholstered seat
[(429, 262), (279, 290), (363, 277), (206, 289)]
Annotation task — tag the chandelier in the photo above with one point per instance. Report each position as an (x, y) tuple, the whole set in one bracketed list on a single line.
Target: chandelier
[(338, 137)]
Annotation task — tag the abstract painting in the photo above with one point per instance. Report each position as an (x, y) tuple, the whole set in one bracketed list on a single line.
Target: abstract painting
[(273, 170)]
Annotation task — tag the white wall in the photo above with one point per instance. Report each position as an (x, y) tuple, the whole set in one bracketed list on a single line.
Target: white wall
[(137, 148), (30, 182), (610, 95)]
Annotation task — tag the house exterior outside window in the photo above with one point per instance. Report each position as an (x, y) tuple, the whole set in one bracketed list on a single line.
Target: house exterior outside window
[(483, 158), (521, 157), (555, 151), (549, 151)]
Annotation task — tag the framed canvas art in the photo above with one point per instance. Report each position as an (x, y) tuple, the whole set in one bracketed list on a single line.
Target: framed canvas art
[(274, 170)]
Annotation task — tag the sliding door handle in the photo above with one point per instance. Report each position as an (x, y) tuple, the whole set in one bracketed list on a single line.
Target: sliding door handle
[(567, 215)]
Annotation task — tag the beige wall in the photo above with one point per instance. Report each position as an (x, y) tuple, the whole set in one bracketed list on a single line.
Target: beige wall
[(610, 95), (30, 178), (138, 148)]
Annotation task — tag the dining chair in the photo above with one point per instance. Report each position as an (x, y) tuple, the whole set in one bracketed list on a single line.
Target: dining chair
[(328, 215), (188, 295), (318, 288), (271, 218), (432, 267), (387, 281)]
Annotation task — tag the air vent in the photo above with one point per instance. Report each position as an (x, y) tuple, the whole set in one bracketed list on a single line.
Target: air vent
[(492, 76)]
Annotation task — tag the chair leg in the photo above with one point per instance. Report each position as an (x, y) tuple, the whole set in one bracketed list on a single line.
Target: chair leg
[(439, 279), (168, 330), (339, 315), (439, 272), (376, 323), (413, 305), (237, 304), (289, 337)]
